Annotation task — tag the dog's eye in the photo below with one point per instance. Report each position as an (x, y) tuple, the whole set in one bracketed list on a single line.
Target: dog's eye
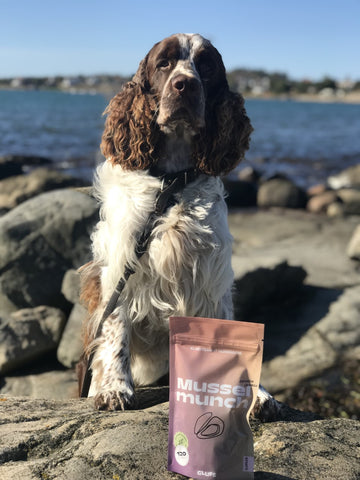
[(163, 64)]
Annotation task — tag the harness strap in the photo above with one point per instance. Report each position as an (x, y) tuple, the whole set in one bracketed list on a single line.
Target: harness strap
[(171, 184)]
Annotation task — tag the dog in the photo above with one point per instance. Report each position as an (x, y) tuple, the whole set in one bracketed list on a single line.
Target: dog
[(176, 119)]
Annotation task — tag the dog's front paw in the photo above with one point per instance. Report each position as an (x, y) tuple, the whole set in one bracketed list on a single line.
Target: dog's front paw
[(266, 408), (115, 400)]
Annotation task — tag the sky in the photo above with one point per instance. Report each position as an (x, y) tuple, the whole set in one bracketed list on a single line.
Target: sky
[(304, 39)]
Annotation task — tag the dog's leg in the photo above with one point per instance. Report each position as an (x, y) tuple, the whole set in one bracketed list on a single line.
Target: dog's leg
[(266, 408), (112, 383)]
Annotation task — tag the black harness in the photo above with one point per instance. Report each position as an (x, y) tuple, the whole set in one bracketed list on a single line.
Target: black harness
[(171, 184)]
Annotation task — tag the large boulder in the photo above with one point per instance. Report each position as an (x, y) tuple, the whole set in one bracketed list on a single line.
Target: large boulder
[(316, 242), (70, 440), (350, 177), (350, 197), (39, 241), (17, 189), (27, 334), (281, 192), (55, 384), (320, 348), (16, 164), (71, 346)]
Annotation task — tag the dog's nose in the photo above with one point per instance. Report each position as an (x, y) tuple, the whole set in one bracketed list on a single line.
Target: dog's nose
[(183, 83)]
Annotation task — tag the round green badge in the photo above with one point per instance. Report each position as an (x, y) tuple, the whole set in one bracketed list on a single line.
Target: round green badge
[(181, 439)]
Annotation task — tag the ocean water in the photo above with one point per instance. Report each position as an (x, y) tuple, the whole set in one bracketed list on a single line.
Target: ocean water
[(305, 141)]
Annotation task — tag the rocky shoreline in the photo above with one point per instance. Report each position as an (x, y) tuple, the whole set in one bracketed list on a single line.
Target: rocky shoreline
[(297, 270)]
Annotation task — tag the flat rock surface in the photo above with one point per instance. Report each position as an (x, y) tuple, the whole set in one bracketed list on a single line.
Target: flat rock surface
[(43, 439), (315, 242)]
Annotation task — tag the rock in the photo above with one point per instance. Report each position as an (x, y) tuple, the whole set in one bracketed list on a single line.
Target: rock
[(261, 281), (69, 439), (71, 286), (315, 242), (336, 209), (319, 203), (249, 174), (303, 451), (39, 241), (27, 334), (350, 177), (353, 249), (14, 164), (281, 192), (320, 347), (17, 189), (350, 198), (316, 190), (53, 385), (240, 193), (70, 348)]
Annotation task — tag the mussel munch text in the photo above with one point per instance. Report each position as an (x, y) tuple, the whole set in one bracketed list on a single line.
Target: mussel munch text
[(212, 394)]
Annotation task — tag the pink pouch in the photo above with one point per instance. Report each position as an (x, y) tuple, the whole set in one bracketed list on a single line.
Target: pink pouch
[(214, 377)]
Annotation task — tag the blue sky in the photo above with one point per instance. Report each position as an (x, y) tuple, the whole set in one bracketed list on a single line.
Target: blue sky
[(305, 39)]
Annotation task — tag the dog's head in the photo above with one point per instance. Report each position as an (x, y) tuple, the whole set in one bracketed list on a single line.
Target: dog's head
[(180, 89)]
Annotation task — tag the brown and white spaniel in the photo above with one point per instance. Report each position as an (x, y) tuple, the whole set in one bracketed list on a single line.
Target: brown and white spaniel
[(177, 113)]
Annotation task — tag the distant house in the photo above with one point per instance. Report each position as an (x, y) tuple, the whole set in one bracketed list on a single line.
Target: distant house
[(17, 82), (69, 82)]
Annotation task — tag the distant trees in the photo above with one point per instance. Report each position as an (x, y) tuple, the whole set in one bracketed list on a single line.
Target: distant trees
[(326, 82)]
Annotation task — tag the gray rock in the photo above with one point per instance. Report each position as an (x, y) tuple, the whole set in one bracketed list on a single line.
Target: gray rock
[(350, 198), (70, 440), (320, 347), (350, 177), (71, 286), (319, 203), (14, 164), (280, 192), (17, 189), (39, 241), (315, 242), (313, 450), (53, 385), (27, 334), (353, 249), (70, 348), (336, 209)]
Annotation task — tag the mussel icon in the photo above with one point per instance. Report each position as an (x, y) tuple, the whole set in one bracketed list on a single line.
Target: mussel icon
[(208, 426)]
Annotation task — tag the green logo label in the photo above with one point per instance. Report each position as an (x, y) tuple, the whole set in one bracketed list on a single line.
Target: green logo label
[(181, 439)]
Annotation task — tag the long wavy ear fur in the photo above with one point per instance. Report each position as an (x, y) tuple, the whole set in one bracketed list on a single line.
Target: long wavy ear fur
[(131, 132), (226, 137)]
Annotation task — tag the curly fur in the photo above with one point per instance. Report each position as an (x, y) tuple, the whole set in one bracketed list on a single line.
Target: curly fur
[(133, 139)]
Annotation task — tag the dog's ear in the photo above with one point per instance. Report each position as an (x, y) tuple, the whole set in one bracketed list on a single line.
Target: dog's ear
[(131, 133), (227, 134), (141, 76)]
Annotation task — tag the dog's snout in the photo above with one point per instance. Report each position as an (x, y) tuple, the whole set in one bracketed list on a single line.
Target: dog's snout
[(183, 83)]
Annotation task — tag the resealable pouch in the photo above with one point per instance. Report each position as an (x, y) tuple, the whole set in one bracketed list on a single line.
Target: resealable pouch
[(214, 378)]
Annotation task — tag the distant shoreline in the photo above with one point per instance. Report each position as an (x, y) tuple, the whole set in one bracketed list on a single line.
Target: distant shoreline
[(348, 98), (352, 98)]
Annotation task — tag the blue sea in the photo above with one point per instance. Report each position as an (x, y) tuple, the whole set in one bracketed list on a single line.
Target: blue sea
[(305, 141)]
